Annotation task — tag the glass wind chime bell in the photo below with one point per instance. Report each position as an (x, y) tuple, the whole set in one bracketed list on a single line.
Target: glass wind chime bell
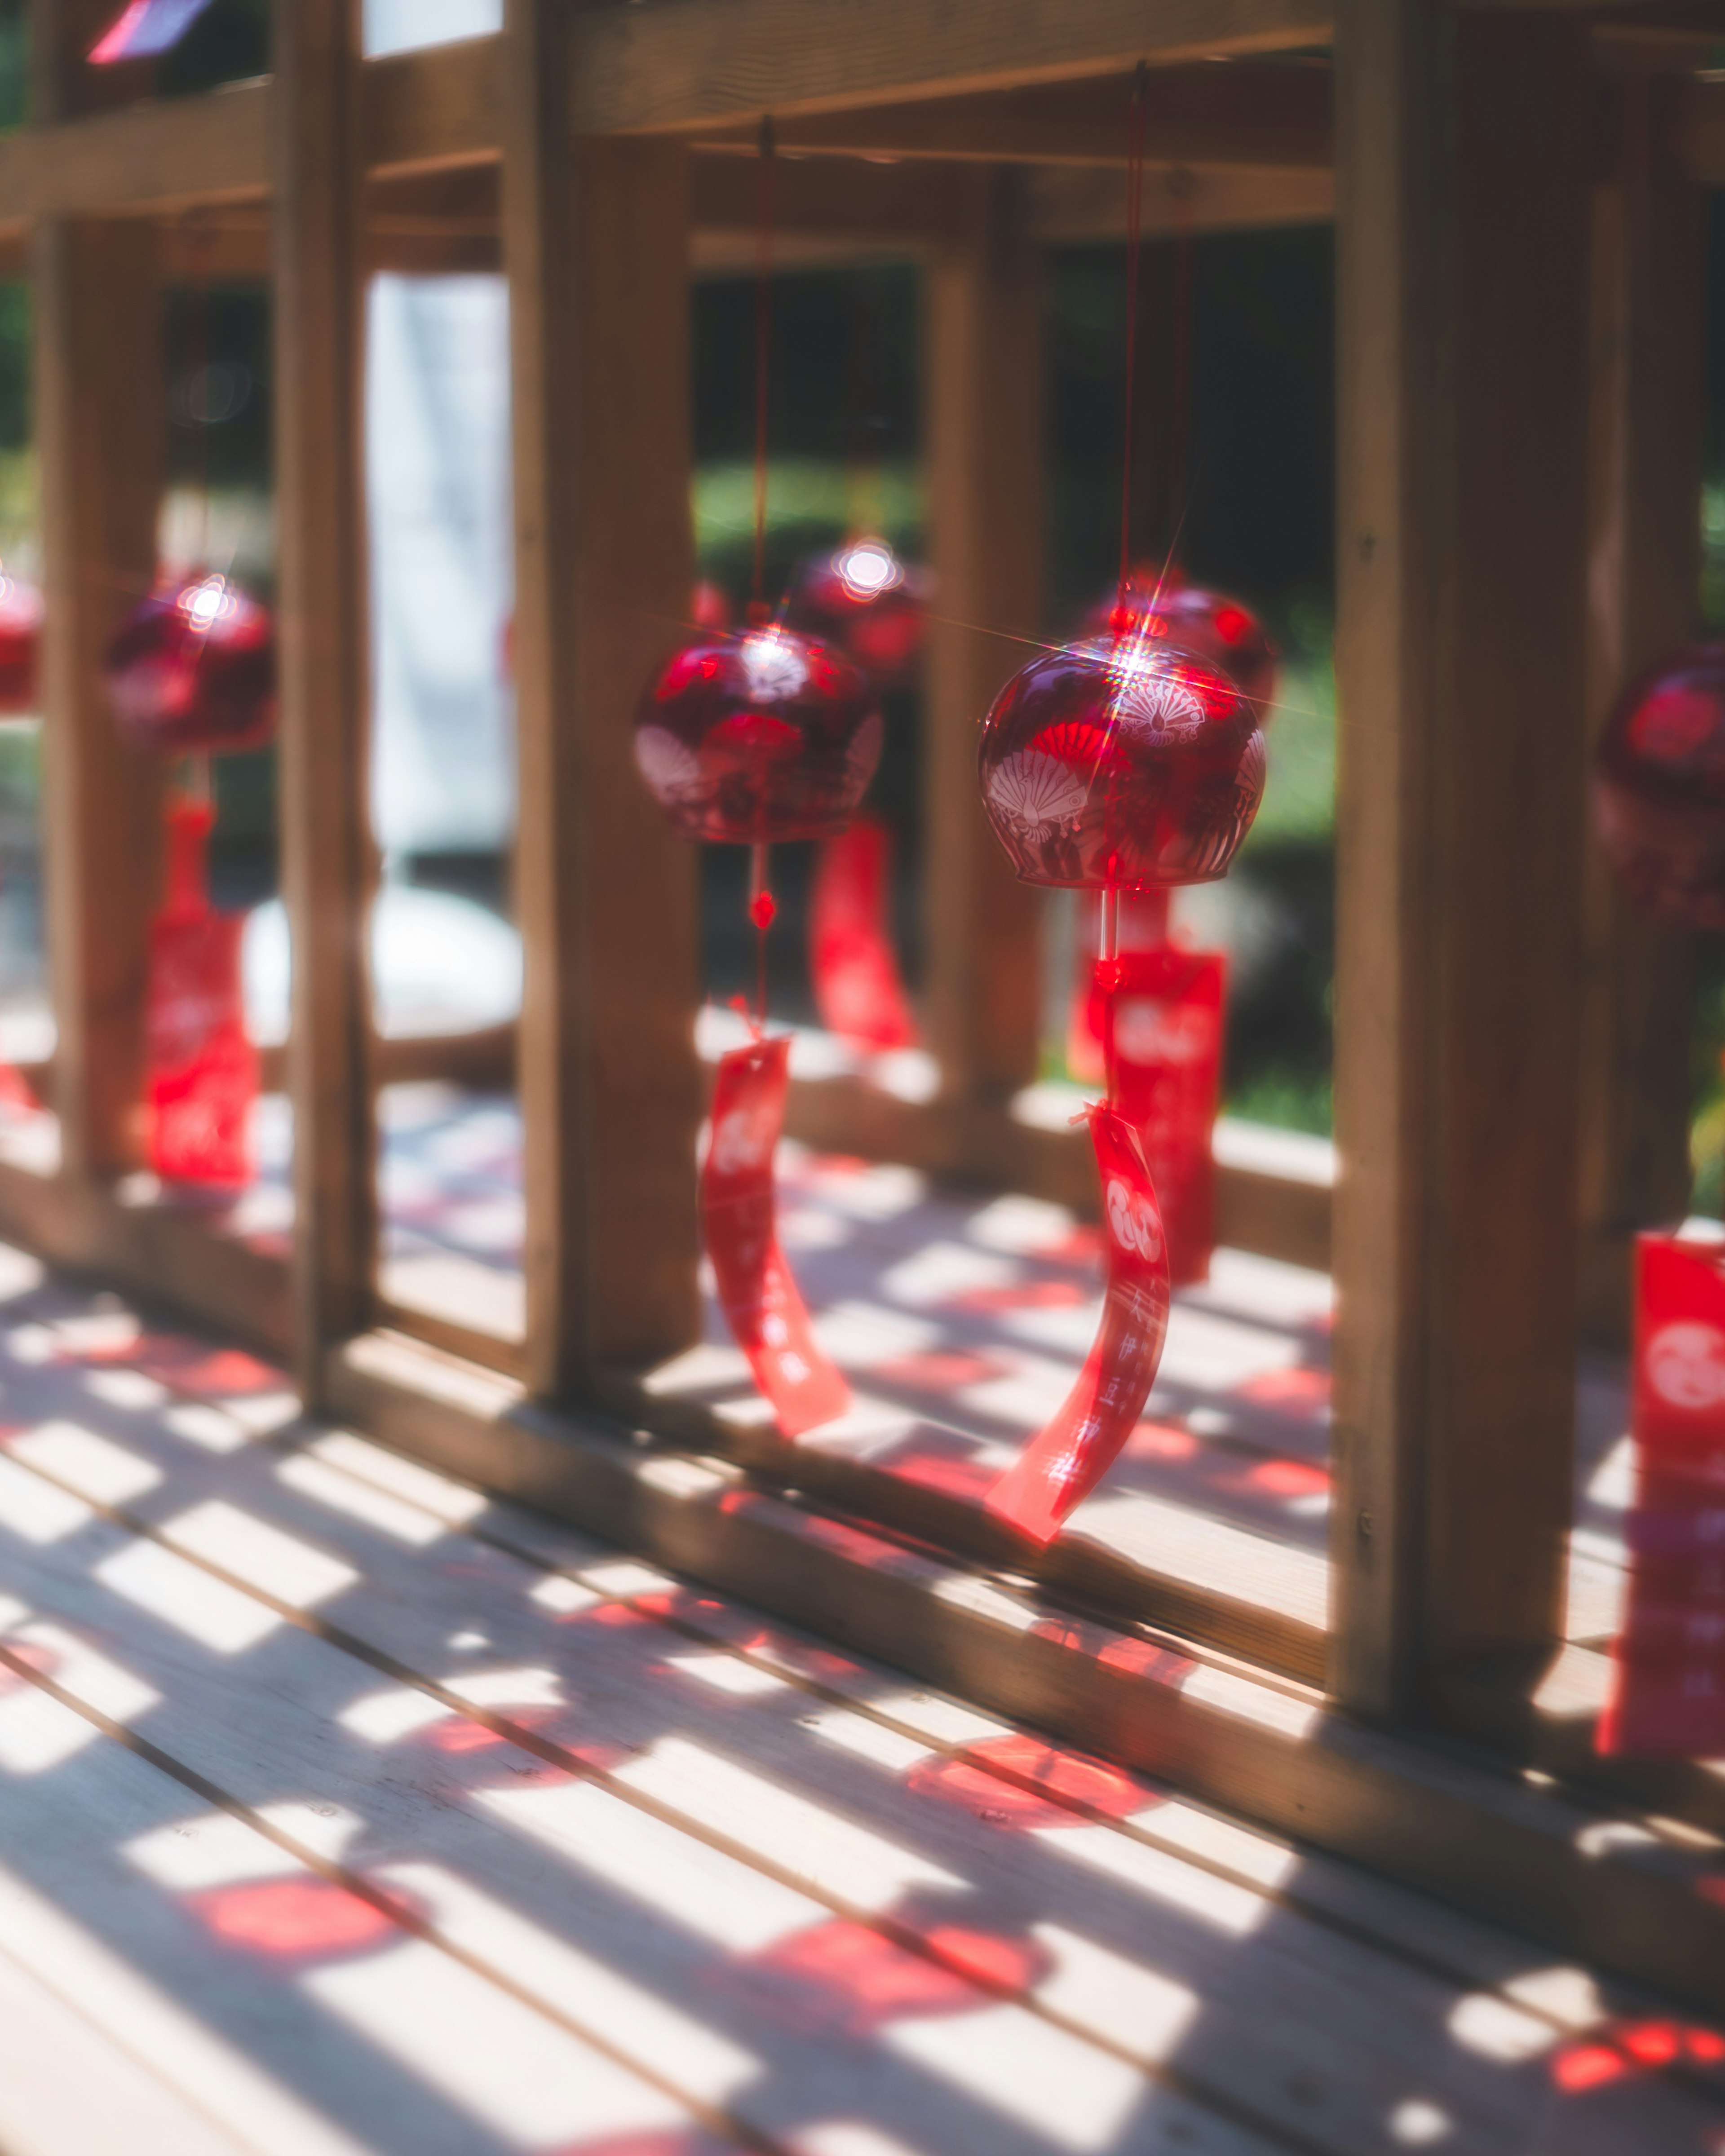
[(1659, 788), (870, 603), (1125, 763), (191, 673), (1209, 624), (755, 737)]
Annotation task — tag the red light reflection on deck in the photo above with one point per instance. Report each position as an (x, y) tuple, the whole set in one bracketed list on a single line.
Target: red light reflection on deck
[(842, 1974), (965, 1780), (1299, 1391), (292, 1918)]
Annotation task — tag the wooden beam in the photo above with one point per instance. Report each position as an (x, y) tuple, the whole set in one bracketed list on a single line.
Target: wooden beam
[(433, 109), (1237, 115), (1649, 423), (102, 441), (687, 65), (325, 842), (596, 243), (1460, 647), (423, 112), (148, 159), (983, 997)]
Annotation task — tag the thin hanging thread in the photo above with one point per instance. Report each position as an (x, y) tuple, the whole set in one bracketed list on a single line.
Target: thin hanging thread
[(1108, 942), (1180, 414), (1134, 249), (198, 380), (762, 906), (763, 345)]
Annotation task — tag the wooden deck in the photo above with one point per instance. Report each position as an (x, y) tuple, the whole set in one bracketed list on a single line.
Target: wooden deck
[(342, 1808), (961, 1321)]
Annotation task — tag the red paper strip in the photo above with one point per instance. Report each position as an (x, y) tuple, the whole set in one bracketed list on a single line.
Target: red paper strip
[(1668, 1691), (756, 1293), (858, 989), (1063, 1462), (201, 1068), (145, 27), (1164, 1008)]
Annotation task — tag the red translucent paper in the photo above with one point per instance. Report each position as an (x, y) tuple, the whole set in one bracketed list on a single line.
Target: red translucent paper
[(1668, 1695), (756, 1293), (1120, 762), (1163, 1010), (201, 1069), (853, 967), (193, 667), (1659, 788), (758, 738), (1065, 1461), (20, 645), (866, 601)]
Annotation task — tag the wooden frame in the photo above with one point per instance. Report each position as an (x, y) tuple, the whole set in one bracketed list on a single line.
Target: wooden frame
[(1492, 432)]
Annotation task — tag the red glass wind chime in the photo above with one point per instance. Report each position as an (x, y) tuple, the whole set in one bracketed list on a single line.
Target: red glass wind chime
[(871, 605), (1162, 1007), (866, 601), (1127, 765), (190, 673), (755, 737), (1658, 807)]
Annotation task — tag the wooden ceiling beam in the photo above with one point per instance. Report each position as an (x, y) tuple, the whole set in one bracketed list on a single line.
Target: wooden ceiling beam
[(688, 65), (1238, 114)]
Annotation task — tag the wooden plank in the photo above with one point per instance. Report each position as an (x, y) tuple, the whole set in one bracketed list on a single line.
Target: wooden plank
[(609, 1962), (150, 160), (1649, 413), (1486, 1845), (690, 1726), (685, 64), (435, 108), (595, 236), (1239, 114), (327, 855), (137, 2023), (983, 997), (1461, 649), (102, 443), (302, 2008)]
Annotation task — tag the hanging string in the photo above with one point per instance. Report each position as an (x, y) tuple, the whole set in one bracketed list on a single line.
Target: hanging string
[(200, 237), (1134, 250), (762, 906), (1180, 401), (764, 346)]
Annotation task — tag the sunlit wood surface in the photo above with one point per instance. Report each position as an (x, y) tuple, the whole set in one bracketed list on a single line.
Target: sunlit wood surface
[(343, 1809)]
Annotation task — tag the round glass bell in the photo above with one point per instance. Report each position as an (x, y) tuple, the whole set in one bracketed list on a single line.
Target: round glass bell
[(866, 601), (1207, 622), (758, 738), (1120, 762), (192, 668), (1659, 788)]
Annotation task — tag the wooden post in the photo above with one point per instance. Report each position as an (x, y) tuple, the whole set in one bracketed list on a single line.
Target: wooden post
[(1461, 638), (101, 430), (327, 849), (985, 438), (1649, 412), (595, 241)]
